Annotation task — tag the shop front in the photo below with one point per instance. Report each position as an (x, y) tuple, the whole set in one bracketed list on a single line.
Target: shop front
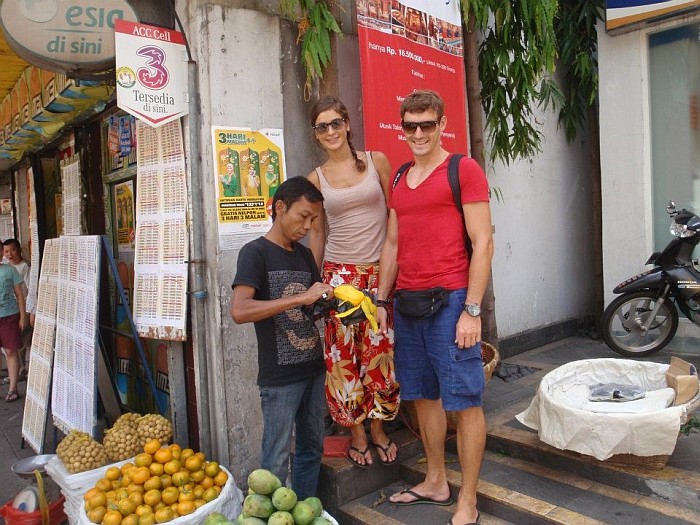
[(649, 62), (71, 160)]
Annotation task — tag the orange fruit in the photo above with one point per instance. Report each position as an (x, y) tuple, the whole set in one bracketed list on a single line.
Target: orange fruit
[(112, 517), (144, 509), (140, 475), (113, 473), (210, 494), (185, 507), (164, 514), (186, 495), (147, 519), (143, 460), (126, 467), (103, 485), (201, 456), (199, 502), (122, 494), (163, 455), (153, 482), (176, 450), (97, 500), (126, 506), (172, 466), (97, 514), (169, 495), (116, 484), (90, 493), (197, 475), (193, 463), (158, 506), (198, 491), (136, 497), (166, 481), (217, 488), (131, 519), (156, 468), (151, 446), (174, 507), (126, 479), (220, 479), (207, 482), (211, 468), (152, 497), (181, 478), (186, 453)]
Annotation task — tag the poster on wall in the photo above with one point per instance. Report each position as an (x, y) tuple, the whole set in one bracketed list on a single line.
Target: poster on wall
[(124, 215), (408, 45), (162, 248), (249, 168)]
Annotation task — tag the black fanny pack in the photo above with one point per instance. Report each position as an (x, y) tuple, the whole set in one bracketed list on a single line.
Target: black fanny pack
[(420, 304)]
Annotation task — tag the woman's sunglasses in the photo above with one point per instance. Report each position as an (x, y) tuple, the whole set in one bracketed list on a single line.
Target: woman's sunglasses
[(427, 126), (322, 127)]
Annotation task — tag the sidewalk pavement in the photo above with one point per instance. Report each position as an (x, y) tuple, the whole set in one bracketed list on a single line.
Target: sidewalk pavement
[(502, 394)]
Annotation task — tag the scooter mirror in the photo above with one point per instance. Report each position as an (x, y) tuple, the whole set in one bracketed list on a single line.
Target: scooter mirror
[(671, 208)]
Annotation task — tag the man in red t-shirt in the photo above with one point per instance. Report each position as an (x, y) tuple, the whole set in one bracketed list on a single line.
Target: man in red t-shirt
[(438, 357)]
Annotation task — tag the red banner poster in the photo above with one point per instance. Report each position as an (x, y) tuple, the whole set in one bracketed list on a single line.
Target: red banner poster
[(404, 46)]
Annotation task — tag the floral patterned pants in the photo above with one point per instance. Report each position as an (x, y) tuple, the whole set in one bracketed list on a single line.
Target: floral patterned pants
[(360, 379)]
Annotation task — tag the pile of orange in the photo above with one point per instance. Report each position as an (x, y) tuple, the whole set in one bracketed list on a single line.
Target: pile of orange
[(161, 484)]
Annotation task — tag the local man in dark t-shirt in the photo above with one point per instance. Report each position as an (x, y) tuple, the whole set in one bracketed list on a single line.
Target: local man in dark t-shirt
[(276, 278)]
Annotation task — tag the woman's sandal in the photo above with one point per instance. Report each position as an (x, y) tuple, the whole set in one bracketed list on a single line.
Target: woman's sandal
[(385, 450), (11, 396)]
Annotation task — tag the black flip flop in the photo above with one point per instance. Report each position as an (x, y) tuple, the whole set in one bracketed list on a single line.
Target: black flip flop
[(12, 396), (363, 453), (423, 500), (478, 517), (385, 449)]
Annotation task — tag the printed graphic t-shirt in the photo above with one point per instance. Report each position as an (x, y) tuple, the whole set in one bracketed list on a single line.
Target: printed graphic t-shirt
[(289, 345), (9, 277)]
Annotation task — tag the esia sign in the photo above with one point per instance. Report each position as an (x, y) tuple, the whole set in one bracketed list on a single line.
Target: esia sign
[(64, 35), (151, 72)]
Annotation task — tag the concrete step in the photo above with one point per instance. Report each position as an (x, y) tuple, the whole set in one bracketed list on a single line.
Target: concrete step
[(678, 483), (375, 509)]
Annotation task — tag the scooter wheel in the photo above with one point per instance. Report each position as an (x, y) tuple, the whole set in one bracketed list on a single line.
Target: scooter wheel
[(628, 330)]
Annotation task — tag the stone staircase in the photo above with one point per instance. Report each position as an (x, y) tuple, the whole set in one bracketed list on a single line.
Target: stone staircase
[(524, 481)]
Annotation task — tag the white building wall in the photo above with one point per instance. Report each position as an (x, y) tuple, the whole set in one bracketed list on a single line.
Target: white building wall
[(543, 264), (625, 154)]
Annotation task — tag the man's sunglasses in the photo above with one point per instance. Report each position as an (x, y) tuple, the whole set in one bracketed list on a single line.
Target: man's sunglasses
[(427, 126), (322, 127)]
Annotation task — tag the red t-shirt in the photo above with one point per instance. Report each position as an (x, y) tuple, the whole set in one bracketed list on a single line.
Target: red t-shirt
[(431, 250)]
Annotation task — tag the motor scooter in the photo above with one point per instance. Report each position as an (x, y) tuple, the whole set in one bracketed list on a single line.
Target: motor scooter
[(644, 318)]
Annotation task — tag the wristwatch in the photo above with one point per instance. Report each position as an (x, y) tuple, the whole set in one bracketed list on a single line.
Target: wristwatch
[(473, 309)]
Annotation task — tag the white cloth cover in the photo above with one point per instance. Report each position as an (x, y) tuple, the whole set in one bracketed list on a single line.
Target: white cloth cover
[(565, 419)]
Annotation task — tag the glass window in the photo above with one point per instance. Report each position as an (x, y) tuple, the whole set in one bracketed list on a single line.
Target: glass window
[(674, 92)]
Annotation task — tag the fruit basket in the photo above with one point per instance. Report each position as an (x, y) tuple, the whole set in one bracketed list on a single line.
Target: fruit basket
[(642, 433)]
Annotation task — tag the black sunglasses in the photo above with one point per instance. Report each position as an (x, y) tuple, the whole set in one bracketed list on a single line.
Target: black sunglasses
[(427, 126), (336, 124)]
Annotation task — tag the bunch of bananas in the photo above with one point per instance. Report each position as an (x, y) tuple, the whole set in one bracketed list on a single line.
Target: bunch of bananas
[(354, 305)]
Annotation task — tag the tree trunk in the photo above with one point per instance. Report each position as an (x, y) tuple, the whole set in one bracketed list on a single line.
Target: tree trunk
[(489, 329)]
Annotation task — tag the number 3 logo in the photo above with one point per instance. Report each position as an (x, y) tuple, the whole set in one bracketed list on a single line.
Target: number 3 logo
[(155, 74)]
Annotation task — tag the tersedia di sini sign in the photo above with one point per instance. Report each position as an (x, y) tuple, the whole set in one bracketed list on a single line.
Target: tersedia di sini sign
[(151, 72), (621, 15)]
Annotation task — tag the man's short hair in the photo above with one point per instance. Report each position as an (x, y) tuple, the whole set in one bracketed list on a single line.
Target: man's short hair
[(295, 189), (423, 100)]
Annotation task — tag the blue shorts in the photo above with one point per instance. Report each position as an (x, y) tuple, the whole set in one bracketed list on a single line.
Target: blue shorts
[(428, 363)]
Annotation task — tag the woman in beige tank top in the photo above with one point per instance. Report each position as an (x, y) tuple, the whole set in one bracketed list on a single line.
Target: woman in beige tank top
[(346, 241)]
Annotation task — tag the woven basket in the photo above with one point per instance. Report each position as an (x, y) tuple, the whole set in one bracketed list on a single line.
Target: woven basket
[(490, 358)]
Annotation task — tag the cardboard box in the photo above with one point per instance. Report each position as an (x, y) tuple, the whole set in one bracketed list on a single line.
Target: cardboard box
[(683, 378)]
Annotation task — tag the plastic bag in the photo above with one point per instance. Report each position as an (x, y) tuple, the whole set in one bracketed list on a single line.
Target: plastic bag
[(15, 516), (615, 392)]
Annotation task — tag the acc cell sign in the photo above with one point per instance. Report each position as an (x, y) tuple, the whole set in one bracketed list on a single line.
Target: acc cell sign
[(67, 36)]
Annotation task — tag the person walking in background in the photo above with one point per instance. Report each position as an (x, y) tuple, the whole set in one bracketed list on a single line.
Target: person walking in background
[(438, 351), (13, 319), (346, 243), (275, 279), (12, 253)]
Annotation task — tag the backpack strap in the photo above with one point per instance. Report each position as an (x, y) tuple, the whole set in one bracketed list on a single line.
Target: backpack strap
[(453, 177), (402, 169)]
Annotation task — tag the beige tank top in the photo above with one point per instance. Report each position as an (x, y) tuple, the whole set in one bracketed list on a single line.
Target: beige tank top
[(356, 218)]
